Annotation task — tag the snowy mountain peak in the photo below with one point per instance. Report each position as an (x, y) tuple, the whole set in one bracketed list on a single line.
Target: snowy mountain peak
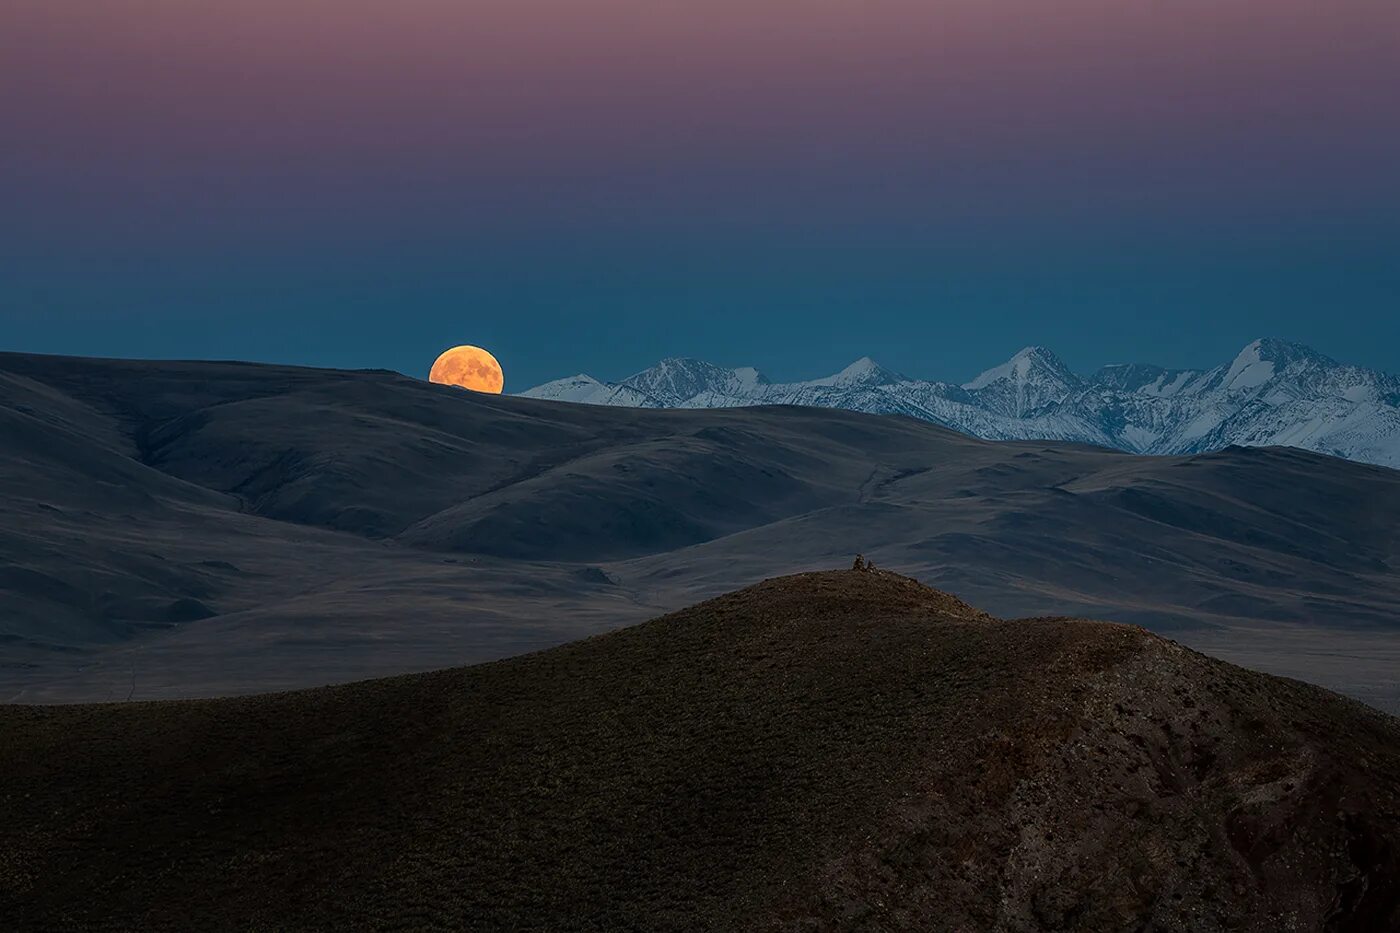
[(1030, 364), (1272, 393), (1264, 361), (569, 384), (863, 372), (586, 390), (677, 380), (1039, 353), (1031, 379), (861, 367), (1274, 350), (748, 376)]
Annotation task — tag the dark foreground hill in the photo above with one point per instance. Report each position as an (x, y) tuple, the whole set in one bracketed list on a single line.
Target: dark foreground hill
[(173, 529), (828, 751)]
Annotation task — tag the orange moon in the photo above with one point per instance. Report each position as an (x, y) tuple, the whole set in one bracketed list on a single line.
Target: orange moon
[(469, 367)]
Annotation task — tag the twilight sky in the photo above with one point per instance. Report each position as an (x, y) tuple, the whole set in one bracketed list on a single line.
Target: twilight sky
[(590, 185)]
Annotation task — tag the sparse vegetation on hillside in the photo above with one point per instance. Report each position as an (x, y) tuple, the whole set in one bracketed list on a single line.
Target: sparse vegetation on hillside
[(827, 751)]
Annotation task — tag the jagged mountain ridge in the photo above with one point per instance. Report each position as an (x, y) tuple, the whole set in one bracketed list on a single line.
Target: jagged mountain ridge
[(1273, 393)]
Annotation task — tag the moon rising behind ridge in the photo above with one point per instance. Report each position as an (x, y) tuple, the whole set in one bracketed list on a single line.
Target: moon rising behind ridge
[(470, 368)]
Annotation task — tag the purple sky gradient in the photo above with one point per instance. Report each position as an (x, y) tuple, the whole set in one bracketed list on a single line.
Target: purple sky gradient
[(176, 133)]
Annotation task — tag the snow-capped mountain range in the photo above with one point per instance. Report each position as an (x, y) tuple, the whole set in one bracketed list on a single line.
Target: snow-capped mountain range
[(1272, 393)]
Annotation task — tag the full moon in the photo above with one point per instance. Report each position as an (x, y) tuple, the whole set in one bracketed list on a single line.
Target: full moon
[(469, 367)]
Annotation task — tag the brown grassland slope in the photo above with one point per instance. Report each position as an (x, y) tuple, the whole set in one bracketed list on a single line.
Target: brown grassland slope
[(837, 750)]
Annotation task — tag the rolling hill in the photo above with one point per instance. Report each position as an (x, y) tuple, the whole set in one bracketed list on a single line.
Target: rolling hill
[(829, 751), (174, 529)]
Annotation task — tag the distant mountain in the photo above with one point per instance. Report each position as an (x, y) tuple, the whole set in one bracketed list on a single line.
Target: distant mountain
[(1273, 393)]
